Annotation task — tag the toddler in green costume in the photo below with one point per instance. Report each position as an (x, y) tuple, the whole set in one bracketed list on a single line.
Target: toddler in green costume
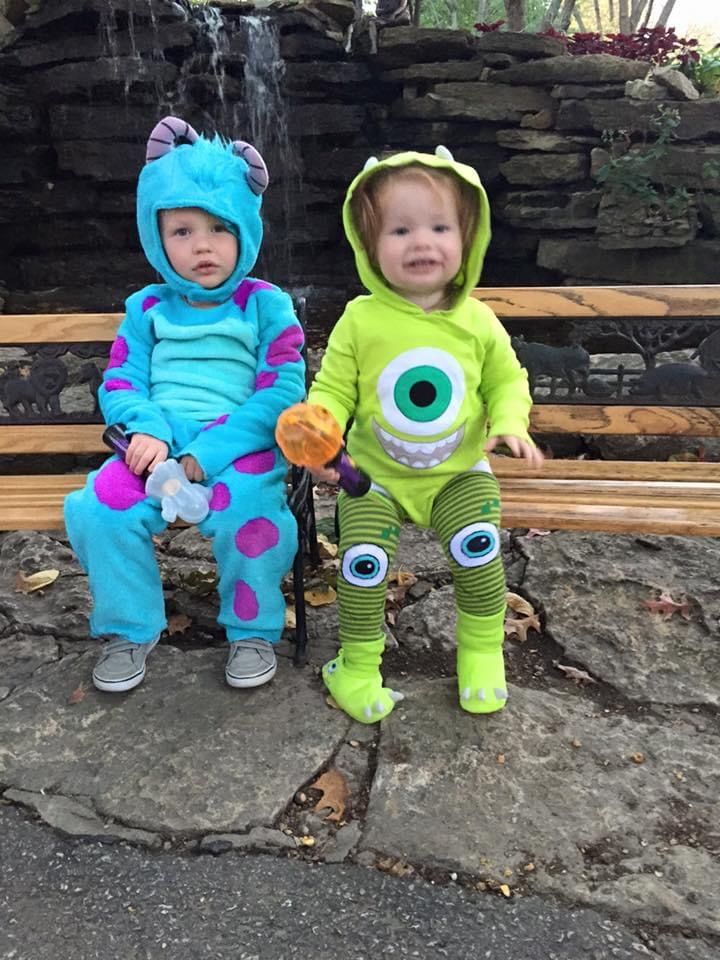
[(431, 383)]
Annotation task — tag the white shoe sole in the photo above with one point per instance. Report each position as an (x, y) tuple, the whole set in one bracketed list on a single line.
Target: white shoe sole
[(246, 682), (127, 683)]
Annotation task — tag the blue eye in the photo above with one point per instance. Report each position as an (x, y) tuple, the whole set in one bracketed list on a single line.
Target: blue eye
[(475, 544), (365, 565)]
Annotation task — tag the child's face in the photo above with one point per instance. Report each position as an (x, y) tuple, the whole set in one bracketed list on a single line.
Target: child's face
[(198, 245), (419, 248)]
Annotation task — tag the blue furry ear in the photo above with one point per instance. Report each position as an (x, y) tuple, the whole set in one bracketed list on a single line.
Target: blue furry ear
[(257, 175), (169, 133)]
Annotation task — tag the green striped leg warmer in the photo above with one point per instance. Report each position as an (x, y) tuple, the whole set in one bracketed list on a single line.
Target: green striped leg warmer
[(466, 518), (369, 532)]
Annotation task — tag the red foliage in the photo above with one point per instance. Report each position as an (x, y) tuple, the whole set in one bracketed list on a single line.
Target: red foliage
[(654, 44), (489, 27)]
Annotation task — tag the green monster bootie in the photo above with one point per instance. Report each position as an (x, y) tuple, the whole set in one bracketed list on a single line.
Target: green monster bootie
[(480, 665), (354, 681)]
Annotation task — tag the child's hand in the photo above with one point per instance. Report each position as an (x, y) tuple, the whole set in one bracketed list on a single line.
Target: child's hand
[(518, 448), (325, 475), (193, 471), (145, 453)]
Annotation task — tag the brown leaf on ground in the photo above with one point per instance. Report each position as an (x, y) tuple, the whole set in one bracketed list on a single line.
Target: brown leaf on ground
[(77, 696), (572, 673), (520, 627), (396, 868), (290, 617), (666, 606), (332, 702), (327, 549), (335, 793), (519, 604), (534, 532), (320, 598), (35, 581), (178, 623)]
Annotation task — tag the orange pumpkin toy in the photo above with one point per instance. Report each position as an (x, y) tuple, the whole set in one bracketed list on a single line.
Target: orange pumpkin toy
[(309, 436)]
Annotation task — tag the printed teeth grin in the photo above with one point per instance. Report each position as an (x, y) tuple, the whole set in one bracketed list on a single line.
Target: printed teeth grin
[(418, 455)]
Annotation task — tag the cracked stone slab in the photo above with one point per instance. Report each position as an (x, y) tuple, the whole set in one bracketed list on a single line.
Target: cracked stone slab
[(592, 587), (75, 819), (611, 811), (182, 754)]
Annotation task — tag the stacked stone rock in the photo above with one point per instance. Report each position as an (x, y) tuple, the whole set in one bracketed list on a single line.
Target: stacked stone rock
[(85, 79)]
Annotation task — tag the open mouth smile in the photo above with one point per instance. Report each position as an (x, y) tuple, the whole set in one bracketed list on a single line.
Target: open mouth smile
[(419, 455)]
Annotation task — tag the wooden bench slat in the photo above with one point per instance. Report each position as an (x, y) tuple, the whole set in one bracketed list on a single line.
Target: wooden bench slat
[(58, 327), (53, 438), (35, 503), (647, 470), (693, 300), (626, 420), (611, 519)]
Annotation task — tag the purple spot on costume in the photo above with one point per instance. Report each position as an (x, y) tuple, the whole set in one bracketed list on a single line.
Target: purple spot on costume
[(118, 353), (256, 536), (261, 462), (245, 604), (215, 423), (285, 347), (220, 499), (149, 302), (117, 487), (265, 379), (111, 385), (246, 288)]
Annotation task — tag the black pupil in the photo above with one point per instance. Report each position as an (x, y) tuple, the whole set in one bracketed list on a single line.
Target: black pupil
[(423, 393), (364, 567), (479, 543)]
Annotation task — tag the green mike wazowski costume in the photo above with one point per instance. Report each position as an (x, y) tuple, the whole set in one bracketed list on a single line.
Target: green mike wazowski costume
[(424, 391)]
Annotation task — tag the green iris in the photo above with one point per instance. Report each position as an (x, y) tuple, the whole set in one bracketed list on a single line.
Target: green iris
[(423, 393)]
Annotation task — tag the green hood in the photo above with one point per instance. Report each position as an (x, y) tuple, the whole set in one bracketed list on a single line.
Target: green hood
[(469, 275)]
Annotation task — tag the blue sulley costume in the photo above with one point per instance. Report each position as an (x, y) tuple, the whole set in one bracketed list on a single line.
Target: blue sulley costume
[(211, 383)]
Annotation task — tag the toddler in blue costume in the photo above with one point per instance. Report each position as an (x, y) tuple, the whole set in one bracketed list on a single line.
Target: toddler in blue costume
[(202, 366)]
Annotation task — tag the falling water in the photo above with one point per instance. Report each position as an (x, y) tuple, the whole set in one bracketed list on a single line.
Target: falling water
[(266, 109)]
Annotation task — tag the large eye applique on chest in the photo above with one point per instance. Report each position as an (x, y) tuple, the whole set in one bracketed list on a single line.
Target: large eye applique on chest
[(421, 393)]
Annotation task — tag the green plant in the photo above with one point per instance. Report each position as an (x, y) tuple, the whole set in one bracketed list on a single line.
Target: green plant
[(630, 174), (705, 71)]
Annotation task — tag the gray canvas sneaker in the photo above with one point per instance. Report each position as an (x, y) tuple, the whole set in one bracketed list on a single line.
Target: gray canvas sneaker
[(250, 663), (121, 664)]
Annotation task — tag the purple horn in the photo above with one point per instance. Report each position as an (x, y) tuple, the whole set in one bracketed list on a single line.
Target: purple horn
[(257, 175), (169, 133)]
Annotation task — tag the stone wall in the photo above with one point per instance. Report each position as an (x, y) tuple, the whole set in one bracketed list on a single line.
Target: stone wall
[(85, 80)]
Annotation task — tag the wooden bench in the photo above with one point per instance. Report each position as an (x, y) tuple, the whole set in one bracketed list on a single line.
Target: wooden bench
[(620, 496), (35, 501), (614, 495)]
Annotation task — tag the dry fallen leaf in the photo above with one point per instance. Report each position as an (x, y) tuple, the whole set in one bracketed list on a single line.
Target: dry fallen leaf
[(666, 606), (290, 618), (572, 673), (77, 696), (504, 889), (306, 841), (335, 793), (36, 581), (519, 628), (519, 604), (328, 550), (178, 623), (320, 598), (331, 702), (637, 757), (534, 532), (396, 868)]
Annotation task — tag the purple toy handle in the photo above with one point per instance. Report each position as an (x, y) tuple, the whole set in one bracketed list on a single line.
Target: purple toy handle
[(115, 437), (352, 480)]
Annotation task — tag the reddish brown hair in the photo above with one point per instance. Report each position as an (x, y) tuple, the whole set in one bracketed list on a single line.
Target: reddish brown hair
[(365, 204)]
